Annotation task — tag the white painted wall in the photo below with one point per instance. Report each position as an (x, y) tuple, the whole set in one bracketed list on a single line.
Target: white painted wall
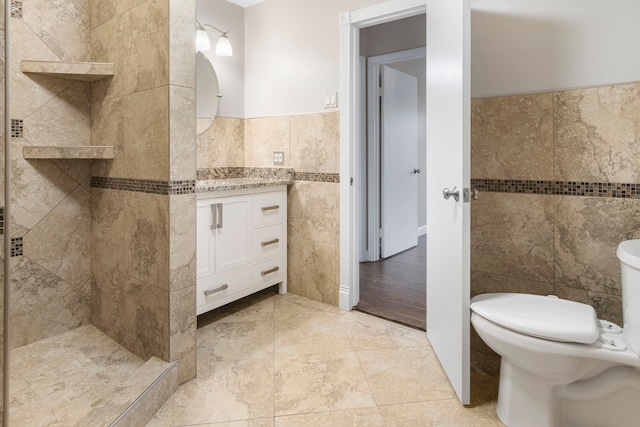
[(540, 45), (230, 70), (292, 55)]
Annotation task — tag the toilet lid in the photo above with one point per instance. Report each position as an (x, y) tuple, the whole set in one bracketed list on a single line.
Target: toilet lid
[(539, 316)]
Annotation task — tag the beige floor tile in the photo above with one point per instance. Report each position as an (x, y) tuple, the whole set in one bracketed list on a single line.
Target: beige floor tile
[(488, 404), (363, 417), (223, 391), (437, 413), (403, 375), (319, 382), (236, 341), (304, 329), (372, 333)]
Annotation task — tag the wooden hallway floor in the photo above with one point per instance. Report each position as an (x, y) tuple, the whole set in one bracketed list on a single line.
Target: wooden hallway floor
[(396, 287)]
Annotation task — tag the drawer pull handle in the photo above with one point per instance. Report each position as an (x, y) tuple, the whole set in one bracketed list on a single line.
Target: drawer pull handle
[(216, 290), (273, 270), (270, 242), (270, 208)]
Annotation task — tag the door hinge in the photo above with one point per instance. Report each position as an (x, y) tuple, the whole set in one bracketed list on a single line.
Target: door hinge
[(380, 233), (351, 181)]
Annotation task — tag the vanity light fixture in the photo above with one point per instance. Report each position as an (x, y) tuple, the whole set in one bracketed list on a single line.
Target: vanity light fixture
[(223, 46)]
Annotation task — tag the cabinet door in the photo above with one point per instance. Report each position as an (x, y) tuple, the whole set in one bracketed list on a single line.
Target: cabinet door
[(205, 244), (233, 235)]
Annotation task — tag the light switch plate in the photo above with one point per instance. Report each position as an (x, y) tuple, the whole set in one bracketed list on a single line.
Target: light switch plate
[(331, 100)]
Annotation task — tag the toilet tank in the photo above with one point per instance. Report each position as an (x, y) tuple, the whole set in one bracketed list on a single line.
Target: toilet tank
[(629, 255)]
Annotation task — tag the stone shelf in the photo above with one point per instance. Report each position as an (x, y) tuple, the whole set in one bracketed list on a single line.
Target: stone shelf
[(84, 71), (78, 152)]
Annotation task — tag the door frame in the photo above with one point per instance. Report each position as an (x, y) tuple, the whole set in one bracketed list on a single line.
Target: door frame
[(372, 175), (350, 132)]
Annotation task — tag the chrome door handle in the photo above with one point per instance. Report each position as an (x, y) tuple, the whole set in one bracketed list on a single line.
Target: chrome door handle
[(417, 171), (448, 193)]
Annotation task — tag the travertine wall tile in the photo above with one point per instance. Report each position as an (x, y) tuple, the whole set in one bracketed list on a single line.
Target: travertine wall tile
[(588, 232), (131, 312), (60, 242), (63, 26), (147, 61), (512, 137), (313, 269), (313, 211), (65, 120), (146, 134), (107, 228), (182, 131), (607, 306), (37, 297), (111, 42), (37, 187), (313, 141), (222, 144), (484, 283), (146, 238), (28, 93), (596, 134), (182, 338), (512, 235), (107, 128), (182, 43), (182, 234), (263, 136)]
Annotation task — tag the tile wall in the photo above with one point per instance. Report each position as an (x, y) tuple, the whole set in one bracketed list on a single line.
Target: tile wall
[(51, 285), (558, 174), (310, 144), (143, 202), (2, 203)]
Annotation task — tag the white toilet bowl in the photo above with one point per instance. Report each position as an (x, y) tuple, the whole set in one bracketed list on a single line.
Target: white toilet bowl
[(561, 367)]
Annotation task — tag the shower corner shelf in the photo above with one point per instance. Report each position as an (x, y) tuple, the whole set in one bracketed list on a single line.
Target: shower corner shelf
[(86, 152), (84, 71)]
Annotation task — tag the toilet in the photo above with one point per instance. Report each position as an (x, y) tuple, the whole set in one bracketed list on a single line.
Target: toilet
[(561, 366)]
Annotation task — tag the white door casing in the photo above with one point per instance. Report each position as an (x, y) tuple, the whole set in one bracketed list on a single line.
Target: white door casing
[(398, 163), (448, 166)]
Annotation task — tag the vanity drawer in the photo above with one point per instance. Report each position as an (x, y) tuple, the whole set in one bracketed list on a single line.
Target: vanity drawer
[(216, 287), (269, 208), (268, 271), (268, 242)]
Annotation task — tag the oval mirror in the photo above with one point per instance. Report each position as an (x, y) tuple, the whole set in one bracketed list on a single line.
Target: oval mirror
[(207, 93)]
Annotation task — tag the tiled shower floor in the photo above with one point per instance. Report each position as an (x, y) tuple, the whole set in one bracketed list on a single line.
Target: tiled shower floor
[(78, 378)]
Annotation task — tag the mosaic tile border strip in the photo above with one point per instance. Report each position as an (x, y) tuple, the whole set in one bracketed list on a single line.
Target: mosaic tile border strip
[(16, 9), (169, 188), (560, 188), (17, 246), (17, 128), (316, 177), (1, 221)]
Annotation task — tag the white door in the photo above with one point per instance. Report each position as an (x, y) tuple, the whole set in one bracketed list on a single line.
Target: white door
[(448, 160), (399, 162)]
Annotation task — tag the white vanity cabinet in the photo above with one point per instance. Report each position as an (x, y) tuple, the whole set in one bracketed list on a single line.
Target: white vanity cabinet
[(241, 244)]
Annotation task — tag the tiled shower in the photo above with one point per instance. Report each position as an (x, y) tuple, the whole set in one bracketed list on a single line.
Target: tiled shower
[(102, 251)]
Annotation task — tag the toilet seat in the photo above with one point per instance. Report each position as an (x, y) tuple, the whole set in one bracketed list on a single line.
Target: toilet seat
[(538, 316)]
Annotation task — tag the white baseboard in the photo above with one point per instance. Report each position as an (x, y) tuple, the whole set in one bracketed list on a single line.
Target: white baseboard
[(422, 230)]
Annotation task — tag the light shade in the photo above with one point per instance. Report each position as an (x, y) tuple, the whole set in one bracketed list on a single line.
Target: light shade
[(202, 40), (223, 47)]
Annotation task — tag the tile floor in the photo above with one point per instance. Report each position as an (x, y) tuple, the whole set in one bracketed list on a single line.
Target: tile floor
[(284, 360), (78, 378)]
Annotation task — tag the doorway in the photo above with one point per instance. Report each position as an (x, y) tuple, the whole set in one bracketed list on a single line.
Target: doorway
[(392, 149)]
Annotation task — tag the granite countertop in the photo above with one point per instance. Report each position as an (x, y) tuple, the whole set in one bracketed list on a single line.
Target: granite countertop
[(206, 185)]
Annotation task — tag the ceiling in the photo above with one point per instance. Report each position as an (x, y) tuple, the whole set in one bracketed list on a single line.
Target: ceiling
[(245, 3)]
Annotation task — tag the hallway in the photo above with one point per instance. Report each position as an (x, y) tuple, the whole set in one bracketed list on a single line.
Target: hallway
[(395, 288), (284, 360)]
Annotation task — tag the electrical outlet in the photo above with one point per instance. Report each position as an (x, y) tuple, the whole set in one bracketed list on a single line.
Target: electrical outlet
[(278, 157)]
